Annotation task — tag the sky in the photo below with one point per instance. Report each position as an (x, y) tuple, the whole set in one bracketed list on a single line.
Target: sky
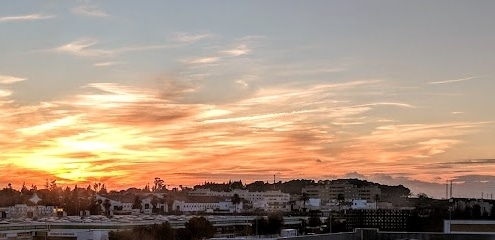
[(121, 92)]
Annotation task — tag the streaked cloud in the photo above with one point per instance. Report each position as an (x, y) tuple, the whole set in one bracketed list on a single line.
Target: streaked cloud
[(5, 93), (454, 80), (83, 48), (188, 38), (6, 79), (203, 60), (81, 136), (29, 17), (86, 48), (90, 11), (107, 64), (238, 51)]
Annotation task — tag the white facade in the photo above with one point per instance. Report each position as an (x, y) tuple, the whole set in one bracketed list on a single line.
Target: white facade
[(227, 205), (362, 204), (23, 210), (269, 200), (146, 206)]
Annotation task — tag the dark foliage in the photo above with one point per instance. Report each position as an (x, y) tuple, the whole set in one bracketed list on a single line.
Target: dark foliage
[(196, 228), (152, 232)]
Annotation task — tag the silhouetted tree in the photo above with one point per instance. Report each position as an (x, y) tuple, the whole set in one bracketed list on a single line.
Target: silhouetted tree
[(154, 203), (159, 185), (107, 205), (137, 203), (196, 228), (275, 223), (236, 200), (153, 232), (304, 198), (314, 221), (476, 211)]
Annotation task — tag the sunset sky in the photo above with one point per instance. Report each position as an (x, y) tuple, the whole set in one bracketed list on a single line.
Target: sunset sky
[(120, 92)]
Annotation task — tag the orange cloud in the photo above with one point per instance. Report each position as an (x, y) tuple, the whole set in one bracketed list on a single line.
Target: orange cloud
[(125, 136)]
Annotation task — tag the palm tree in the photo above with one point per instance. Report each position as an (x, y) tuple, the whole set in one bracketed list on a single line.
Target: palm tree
[(236, 200)]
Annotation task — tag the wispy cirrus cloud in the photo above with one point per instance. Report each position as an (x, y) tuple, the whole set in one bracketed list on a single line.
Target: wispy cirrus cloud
[(82, 47), (237, 51), (6, 79), (108, 64), (29, 17), (89, 11), (454, 80), (188, 38), (203, 60), (87, 48)]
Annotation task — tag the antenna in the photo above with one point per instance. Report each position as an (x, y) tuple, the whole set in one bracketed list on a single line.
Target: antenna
[(447, 190), (450, 188)]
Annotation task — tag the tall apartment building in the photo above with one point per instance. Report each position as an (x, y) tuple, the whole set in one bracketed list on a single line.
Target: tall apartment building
[(330, 192)]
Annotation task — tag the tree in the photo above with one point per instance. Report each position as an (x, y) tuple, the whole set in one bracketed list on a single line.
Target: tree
[(314, 221), (153, 232), (304, 198), (103, 189), (260, 225), (275, 223), (107, 205), (476, 211), (159, 185), (137, 203), (197, 228), (236, 200), (270, 225), (154, 203), (24, 189)]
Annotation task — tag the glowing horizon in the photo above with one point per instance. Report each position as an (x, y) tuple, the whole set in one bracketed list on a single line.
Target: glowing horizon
[(317, 97)]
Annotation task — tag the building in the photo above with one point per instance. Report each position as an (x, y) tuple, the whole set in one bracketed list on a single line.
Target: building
[(124, 203), (363, 204), (383, 219), (484, 206), (329, 192), (206, 204), (268, 201), (23, 210), (469, 226)]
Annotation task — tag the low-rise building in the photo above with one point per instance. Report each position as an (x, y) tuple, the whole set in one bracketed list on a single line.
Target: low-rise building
[(206, 204), (23, 210), (269, 201), (363, 204)]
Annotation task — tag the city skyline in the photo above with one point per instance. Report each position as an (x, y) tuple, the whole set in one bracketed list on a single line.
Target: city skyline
[(121, 92)]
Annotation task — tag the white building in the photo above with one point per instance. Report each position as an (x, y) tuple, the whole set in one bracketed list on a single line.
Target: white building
[(206, 204), (23, 210), (268, 201), (125, 203), (362, 204)]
